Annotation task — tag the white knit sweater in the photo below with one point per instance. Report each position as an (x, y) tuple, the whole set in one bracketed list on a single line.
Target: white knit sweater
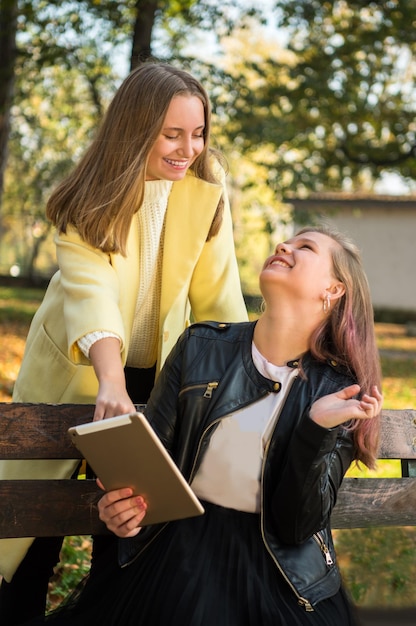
[(150, 222)]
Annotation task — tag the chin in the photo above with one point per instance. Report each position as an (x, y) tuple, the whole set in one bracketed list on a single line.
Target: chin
[(172, 176)]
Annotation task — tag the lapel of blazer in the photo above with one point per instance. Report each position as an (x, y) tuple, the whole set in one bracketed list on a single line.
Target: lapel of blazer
[(190, 211), (191, 208), (127, 269)]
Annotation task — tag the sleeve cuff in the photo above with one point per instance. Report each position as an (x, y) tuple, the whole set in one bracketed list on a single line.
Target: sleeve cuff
[(85, 342)]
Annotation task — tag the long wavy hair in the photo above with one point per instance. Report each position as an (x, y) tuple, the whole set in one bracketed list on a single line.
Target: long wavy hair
[(106, 188), (347, 334)]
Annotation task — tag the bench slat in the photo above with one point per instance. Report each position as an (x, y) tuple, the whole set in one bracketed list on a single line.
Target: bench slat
[(398, 434), (57, 508), (31, 431), (62, 507), (364, 502), (68, 507)]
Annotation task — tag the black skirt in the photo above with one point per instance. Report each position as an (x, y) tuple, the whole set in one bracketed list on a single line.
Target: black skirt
[(211, 570), (139, 383)]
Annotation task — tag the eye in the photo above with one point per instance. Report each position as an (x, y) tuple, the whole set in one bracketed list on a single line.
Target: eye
[(307, 246), (171, 137)]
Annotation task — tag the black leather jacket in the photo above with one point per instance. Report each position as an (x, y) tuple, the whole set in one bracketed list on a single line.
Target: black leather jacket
[(209, 374)]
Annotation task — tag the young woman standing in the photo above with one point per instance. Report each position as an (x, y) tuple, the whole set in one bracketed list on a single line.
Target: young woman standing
[(144, 240)]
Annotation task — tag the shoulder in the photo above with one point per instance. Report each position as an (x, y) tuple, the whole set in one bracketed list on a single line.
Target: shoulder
[(329, 375), (72, 243), (207, 348), (217, 334), (218, 330)]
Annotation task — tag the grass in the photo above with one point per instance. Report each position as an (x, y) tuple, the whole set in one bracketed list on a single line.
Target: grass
[(17, 307), (378, 565)]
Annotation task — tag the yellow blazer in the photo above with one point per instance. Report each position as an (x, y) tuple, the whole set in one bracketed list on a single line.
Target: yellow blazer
[(94, 290)]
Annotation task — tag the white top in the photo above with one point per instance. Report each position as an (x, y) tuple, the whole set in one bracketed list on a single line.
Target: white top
[(229, 474), (150, 220)]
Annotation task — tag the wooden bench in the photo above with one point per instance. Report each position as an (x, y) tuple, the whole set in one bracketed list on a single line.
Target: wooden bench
[(68, 507)]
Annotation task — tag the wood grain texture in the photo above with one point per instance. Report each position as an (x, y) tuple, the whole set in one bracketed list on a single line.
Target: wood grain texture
[(48, 508), (68, 507)]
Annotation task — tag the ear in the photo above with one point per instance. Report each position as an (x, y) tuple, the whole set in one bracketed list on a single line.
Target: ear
[(335, 291)]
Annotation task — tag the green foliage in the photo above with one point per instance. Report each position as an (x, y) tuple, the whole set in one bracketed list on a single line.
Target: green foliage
[(73, 566), (329, 107), (378, 565), (19, 304), (63, 80), (342, 110)]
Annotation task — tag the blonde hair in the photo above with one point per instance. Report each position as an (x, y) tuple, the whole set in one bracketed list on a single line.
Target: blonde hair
[(347, 335), (106, 188)]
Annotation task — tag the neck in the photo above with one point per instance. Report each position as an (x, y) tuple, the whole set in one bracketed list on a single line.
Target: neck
[(281, 339)]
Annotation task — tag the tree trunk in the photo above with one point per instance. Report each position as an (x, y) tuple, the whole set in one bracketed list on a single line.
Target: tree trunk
[(142, 33), (8, 54)]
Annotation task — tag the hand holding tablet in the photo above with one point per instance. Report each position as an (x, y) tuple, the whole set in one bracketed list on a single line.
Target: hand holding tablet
[(124, 451)]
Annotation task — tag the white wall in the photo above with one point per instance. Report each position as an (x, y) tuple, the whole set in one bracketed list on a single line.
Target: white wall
[(387, 240)]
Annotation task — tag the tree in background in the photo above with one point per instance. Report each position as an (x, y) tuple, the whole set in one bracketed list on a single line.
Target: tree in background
[(341, 114), (8, 26), (65, 51), (61, 82), (55, 32), (320, 95)]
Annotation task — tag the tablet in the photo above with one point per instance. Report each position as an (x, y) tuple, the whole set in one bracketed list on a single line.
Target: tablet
[(124, 451)]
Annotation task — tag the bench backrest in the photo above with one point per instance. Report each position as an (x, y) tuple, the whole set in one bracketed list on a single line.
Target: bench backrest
[(68, 507), (364, 502)]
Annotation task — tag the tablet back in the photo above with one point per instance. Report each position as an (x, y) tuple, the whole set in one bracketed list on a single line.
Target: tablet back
[(124, 451)]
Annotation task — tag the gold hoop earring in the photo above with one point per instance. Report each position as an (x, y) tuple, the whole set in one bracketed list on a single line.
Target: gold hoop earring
[(327, 303)]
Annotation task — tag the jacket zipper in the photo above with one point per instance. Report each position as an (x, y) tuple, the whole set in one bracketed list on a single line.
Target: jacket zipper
[(301, 600), (207, 394), (198, 450), (324, 548), (209, 388)]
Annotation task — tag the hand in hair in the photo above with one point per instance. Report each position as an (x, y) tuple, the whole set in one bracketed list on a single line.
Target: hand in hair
[(343, 406)]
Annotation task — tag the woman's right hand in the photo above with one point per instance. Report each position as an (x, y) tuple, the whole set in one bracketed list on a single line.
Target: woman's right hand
[(112, 398), (122, 512), (342, 406)]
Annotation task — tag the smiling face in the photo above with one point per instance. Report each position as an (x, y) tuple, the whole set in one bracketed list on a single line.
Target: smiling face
[(181, 139), (303, 267)]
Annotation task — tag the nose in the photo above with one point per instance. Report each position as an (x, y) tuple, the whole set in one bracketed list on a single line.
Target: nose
[(283, 248), (186, 148)]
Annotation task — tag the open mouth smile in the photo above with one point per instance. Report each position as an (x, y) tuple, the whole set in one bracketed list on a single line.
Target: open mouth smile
[(178, 164), (280, 262)]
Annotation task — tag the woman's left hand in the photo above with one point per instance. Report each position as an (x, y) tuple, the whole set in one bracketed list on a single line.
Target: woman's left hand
[(121, 511), (337, 408)]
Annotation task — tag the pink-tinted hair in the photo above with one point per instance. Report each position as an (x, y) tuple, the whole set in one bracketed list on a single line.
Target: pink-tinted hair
[(347, 335)]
